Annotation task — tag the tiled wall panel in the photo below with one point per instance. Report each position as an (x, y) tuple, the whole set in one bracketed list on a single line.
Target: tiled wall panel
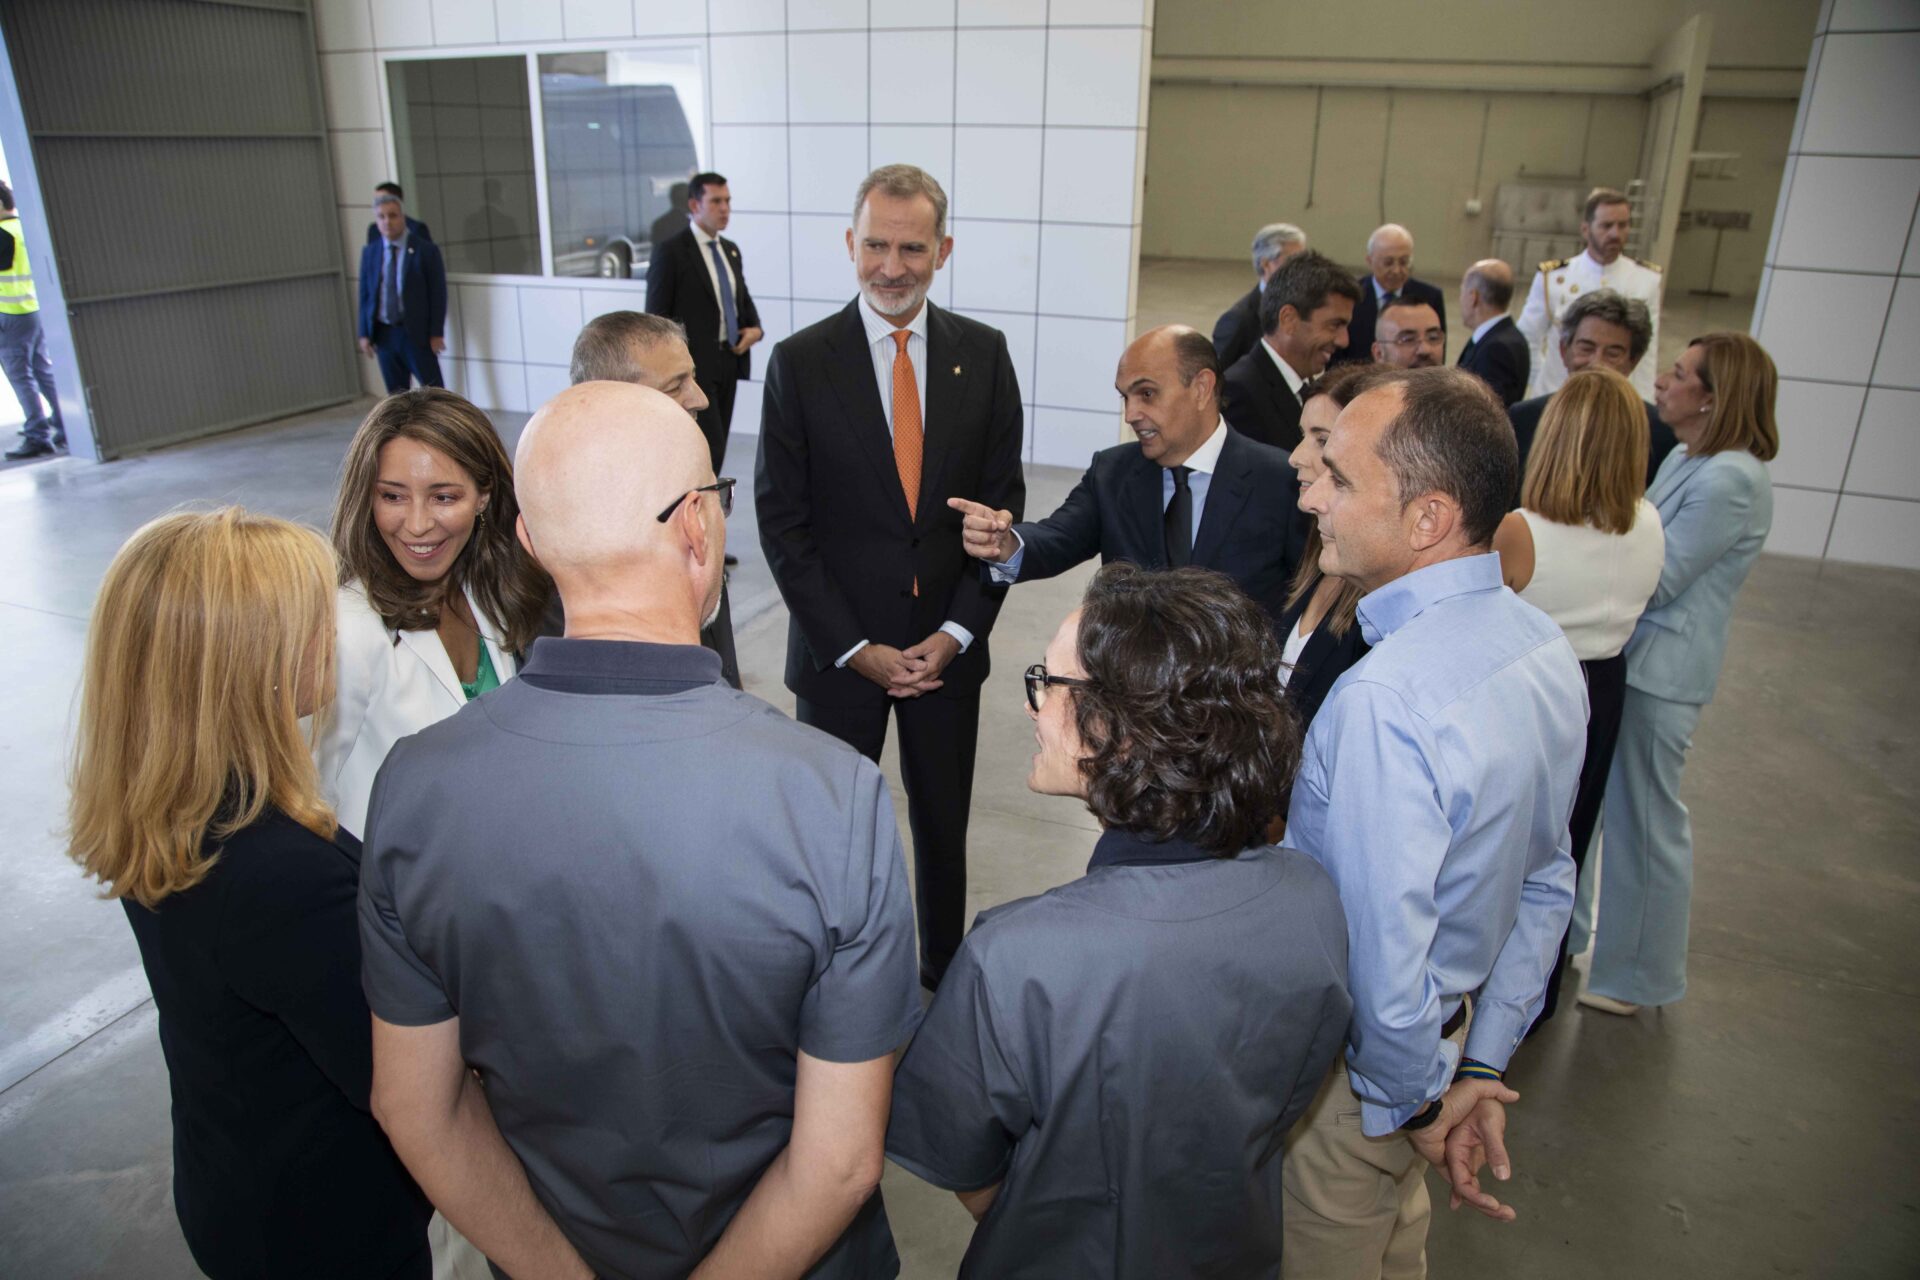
[(1839, 307), (1032, 114)]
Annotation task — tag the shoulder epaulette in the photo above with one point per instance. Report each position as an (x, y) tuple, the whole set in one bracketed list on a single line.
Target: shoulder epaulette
[(1555, 264), (1651, 266)]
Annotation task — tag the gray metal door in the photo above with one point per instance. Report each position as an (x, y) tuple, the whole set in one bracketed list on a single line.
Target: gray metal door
[(181, 154)]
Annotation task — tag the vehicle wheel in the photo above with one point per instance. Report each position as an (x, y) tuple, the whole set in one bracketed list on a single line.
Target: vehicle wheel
[(616, 262)]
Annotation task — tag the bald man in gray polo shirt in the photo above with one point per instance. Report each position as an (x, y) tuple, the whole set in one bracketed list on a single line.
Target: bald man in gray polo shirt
[(667, 926)]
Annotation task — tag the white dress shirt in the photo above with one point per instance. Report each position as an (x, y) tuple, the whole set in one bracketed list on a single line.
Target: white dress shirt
[(1554, 289), (881, 345), (702, 239), (1201, 464), (1294, 380)]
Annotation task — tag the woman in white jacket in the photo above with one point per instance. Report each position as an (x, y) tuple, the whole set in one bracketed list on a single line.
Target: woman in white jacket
[(436, 594), (436, 599)]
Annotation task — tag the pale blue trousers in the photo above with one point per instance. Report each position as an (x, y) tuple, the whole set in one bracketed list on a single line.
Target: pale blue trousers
[(1646, 857)]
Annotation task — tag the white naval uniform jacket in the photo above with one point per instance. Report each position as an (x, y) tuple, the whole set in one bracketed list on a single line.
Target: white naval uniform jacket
[(1557, 284)]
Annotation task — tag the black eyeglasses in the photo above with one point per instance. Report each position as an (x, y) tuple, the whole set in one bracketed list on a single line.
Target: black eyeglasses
[(723, 486), (1038, 679)]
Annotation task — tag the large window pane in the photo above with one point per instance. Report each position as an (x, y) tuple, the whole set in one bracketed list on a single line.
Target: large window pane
[(463, 131), (620, 134)]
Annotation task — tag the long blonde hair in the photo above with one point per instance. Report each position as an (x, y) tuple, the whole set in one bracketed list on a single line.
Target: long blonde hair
[(208, 628), (1588, 465)]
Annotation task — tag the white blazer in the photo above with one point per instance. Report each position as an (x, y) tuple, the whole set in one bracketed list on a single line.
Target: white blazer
[(388, 684)]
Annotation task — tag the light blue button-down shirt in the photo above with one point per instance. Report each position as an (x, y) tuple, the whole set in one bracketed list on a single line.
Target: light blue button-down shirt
[(1435, 789)]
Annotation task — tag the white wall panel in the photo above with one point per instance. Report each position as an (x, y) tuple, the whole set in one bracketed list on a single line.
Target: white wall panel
[(1876, 531), (342, 24), (544, 382), (1817, 421), (913, 13), (1866, 97), (1075, 362), (1070, 437), (762, 238), (1096, 13), (746, 15), (359, 164), (1886, 456), (828, 75), (490, 322), (1083, 271), (1093, 76), (928, 145), (821, 268), (829, 161), (1000, 13), (826, 15), (811, 311), (349, 84), (754, 159), (997, 173), (1812, 323), (1872, 198), (463, 22), (1801, 519), (749, 79), (598, 302), (1092, 176), (995, 266), (912, 77), (595, 19), (1898, 364), (1001, 77), (669, 17), (528, 20), (403, 24), (550, 319)]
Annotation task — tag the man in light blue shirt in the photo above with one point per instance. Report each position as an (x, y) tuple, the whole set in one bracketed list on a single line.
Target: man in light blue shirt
[(1435, 790)]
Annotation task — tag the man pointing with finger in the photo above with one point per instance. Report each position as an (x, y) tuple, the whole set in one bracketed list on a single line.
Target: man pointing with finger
[(870, 415), (1191, 492)]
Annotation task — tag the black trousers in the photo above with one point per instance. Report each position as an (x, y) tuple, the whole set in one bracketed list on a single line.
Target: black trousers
[(716, 420), (1606, 695), (937, 737)]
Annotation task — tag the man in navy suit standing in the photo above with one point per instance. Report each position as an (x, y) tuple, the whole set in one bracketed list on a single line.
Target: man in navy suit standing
[(1389, 279), (1496, 349), (415, 228), (1191, 492), (403, 300)]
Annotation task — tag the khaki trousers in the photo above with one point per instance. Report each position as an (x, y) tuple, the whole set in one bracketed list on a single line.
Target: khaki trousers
[(1356, 1207)]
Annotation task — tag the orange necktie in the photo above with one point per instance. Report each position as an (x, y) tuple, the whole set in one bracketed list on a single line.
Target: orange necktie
[(907, 435), (908, 439)]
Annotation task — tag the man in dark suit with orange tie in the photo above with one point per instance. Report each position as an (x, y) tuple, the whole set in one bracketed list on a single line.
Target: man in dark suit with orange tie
[(403, 300), (871, 418), (696, 277), (1496, 350)]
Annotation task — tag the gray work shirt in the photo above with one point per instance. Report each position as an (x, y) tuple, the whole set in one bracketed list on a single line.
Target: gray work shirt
[(1125, 1055), (642, 893)]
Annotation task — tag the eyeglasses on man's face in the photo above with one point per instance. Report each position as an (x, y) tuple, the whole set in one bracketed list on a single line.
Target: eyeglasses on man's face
[(723, 486), (1038, 678)]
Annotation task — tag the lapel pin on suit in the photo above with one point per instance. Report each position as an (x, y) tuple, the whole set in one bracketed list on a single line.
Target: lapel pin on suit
[(956, 371)]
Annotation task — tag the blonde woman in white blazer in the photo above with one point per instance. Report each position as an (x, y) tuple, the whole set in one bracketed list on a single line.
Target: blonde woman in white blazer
[(436, 594)]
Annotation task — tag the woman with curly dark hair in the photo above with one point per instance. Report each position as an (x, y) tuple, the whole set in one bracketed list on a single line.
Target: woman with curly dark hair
[(1109, 1070)]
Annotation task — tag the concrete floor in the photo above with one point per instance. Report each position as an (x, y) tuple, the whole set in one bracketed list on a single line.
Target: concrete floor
[(1766, 1125)]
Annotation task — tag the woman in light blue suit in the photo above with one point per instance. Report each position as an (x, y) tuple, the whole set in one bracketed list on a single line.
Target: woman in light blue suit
[(1715, 500)]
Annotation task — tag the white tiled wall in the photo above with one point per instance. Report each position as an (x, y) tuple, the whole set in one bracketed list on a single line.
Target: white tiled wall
[(1032, 114), (1839, 305)]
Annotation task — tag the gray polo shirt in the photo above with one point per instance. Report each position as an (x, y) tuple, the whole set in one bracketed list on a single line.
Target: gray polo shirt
[(1124, 1055), (642, 893)]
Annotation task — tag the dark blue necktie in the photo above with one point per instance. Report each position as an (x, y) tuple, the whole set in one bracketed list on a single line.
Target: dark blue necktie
[(727, 312), (1179, 520), (390, 301)]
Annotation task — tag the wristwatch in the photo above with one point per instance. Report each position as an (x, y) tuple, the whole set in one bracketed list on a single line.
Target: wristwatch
[(1426, 1116)]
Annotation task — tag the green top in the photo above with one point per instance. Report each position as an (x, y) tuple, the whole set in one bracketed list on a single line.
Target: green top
[(484, 676)]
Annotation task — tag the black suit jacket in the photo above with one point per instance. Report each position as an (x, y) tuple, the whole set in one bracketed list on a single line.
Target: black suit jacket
[(1501, 359), (1117, 513), (1257, 402), (678, 286), (1238, 328), (1525, 417), (1324, 660), (256, 974), (1366, 317), (834, 522)]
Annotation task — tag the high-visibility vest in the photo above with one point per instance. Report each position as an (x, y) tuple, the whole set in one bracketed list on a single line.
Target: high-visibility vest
[(16, 281)]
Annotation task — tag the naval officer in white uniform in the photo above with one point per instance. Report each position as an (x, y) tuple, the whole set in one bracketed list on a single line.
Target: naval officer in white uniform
[(1601, 265)]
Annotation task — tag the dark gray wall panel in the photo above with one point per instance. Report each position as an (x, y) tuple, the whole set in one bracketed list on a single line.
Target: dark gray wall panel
[(182, 158), (178, 365), (163, 66), (198, 223)]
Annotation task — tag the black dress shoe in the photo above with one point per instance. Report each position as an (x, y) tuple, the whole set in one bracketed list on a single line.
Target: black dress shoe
[(29, 449)]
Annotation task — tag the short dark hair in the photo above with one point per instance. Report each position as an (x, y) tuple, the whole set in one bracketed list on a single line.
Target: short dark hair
[(6, 196), (1193, 354), (1304, 283), (1452, 436), (391, 188), (606, 347), (1599, 196), (1615, 308), (1187, 727), (1403, 303), (697, 185)]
